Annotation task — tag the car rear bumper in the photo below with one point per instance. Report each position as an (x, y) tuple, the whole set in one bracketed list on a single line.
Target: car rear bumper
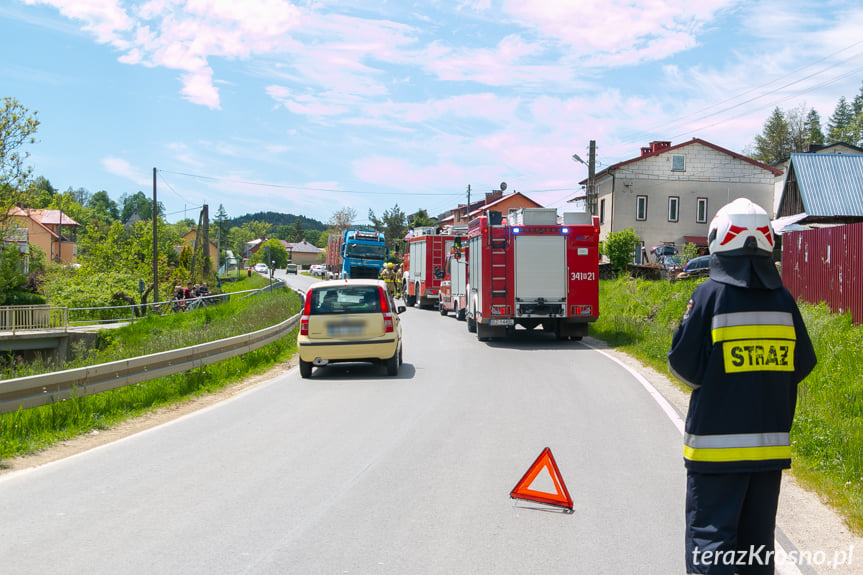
[(346, 350)]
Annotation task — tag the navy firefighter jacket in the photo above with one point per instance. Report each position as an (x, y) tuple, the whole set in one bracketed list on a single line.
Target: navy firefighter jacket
[(743, 351)]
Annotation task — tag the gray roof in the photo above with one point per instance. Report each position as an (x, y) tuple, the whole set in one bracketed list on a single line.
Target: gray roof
[(830, 184)]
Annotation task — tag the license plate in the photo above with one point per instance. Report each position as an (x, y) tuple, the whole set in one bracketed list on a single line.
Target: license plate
[(342, 329), (501, 322)]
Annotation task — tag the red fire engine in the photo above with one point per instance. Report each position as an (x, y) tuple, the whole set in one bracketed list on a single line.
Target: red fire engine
[(425, 261), (528, 270), (453, 288)]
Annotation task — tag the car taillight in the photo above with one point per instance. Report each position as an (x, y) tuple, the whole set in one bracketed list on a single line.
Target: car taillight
[(385, 305), (385, 308), (307, 310)]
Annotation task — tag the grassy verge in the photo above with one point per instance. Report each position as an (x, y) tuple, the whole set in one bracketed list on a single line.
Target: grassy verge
[(27, 431), (639, 317)]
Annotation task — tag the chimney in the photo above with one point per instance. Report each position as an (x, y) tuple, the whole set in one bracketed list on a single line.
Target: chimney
[(655, 146), (493, 196)]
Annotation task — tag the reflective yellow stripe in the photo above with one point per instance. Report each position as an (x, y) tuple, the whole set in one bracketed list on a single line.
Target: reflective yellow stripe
[(738, 453), (753, 332)]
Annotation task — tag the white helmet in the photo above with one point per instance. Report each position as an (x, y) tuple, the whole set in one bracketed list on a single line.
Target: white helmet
[(740, 228)]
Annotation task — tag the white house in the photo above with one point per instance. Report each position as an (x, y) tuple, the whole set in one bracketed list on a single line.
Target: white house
[(669, 194)]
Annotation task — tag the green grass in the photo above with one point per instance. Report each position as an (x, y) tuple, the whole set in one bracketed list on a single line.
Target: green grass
[(28, 431), (640, 316)]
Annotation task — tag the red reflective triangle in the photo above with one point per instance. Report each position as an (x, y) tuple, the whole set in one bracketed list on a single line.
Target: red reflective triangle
[(522, 489)]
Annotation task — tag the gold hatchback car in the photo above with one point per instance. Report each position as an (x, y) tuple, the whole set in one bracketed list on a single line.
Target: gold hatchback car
[(350, 320)]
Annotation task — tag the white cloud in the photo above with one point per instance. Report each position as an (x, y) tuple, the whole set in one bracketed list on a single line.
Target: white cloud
[(122, 168)]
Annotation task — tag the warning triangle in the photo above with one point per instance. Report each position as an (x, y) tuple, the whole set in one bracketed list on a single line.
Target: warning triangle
[(560, 497)]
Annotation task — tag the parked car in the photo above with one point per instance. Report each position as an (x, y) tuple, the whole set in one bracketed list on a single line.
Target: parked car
[(696, 267), (318, 270), (663, 250), (291, 269), (261, 268), (352, 320), (671, 264)]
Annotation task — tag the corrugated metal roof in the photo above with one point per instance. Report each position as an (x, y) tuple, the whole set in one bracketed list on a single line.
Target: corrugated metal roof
[(830, 184)]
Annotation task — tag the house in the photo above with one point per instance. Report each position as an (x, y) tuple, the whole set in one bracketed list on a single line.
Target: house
[(493, 201), (302, 253), (821, 190), (189, 240), (52, 231), (305, 254), (835, 148), (669, 194)]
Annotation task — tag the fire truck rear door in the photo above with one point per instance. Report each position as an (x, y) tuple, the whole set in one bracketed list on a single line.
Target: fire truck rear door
[(540, 267)]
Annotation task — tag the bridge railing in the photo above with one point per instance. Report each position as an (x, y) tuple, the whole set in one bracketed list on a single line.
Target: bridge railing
[(17, 318)]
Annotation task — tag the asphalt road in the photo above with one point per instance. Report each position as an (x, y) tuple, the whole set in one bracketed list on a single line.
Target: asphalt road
[(352, 471)]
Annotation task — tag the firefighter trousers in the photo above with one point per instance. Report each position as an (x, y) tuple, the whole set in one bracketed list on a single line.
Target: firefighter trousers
[(730, 522)]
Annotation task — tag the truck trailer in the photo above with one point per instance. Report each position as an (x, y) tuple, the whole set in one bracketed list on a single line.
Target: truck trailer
[(528, 270)]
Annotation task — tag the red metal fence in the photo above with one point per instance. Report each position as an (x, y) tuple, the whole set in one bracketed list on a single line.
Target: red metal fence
[(825, 265)]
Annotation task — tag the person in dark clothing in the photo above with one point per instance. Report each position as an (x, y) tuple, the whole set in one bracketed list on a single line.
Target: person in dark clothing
[(743, 348)]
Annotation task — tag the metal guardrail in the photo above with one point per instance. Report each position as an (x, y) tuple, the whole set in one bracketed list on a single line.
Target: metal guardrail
[(16, 318), (44, 389)]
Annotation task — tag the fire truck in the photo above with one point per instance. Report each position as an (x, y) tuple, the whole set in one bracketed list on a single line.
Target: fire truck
[(530, 271), (453, 288), (426, 258)]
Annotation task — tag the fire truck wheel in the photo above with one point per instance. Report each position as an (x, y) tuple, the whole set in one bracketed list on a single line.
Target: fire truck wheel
[(483, 333), (305, 369), (409, 299), (471, 324), (459, 315), (442, 309)]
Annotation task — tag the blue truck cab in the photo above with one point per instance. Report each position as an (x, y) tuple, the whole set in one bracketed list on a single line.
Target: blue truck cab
[(364, 253)]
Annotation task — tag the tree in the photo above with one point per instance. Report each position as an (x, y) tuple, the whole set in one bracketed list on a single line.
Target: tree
[(17, 129), (299, 233), (103, 206), (774, 143), (342, 219), (278, 254), (814, 133), (12, 276), (393, 224), (422, 219), (840, 122), (140, 203), (619, 248)]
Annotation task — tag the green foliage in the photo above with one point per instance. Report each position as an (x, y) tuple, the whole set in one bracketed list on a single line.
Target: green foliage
[(393, 224), (774, 143), (29, 430), (277, 251), (619, 248), (68, 287), (12, 277), (690, 251), (17, 129)]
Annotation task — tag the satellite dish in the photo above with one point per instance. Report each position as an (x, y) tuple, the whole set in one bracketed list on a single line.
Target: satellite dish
[(502, 186)]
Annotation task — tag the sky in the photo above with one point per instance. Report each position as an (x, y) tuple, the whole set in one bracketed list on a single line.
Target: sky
[(308, 107)]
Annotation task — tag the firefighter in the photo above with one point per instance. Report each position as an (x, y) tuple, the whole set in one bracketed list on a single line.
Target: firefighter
[(743, 348), (388, 275)]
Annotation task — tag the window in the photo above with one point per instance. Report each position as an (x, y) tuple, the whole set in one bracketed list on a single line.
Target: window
[(641, 207), (673, 205), (602, 211), (678, 163), (701, 211)]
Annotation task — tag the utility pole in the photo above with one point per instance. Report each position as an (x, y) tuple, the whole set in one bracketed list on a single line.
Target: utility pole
[(467, 211), (155, 243), (591, 179)]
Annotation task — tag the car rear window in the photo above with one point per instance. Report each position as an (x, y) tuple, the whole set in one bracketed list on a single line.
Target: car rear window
[(345, 299)]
